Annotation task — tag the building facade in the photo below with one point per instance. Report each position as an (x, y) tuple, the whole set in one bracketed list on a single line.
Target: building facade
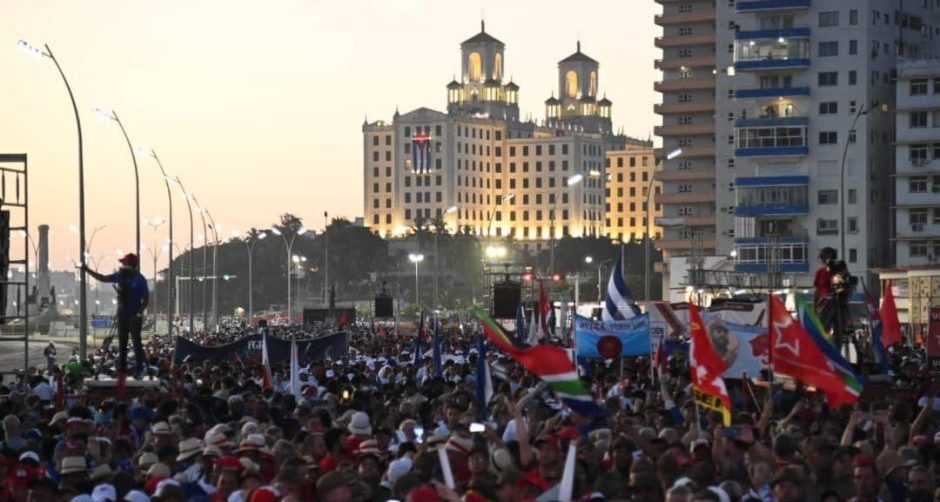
[(803, 127), (917, 161), (630, 177), (687, 132), (478, 167)]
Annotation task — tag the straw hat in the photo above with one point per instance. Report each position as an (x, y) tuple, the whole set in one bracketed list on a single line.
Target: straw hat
[(189, 448), (73, 465)]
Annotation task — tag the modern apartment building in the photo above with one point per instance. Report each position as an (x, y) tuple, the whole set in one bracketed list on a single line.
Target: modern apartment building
[(630, 175), (478, 167), (688, 125), (806, 89)]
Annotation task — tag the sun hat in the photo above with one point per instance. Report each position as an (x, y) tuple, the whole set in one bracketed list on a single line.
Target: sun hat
[(73, 465), (160, 428), (158, 470), (359, 424), (189, 448), (147, 459)]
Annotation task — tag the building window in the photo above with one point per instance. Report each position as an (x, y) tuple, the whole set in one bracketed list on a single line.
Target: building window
[(826, 226), (828, 137), (853, 47), (853, 255), (917, 184), (829, 18), (918, 119), (829, 108), (918, 248), (828, 78), (853, 77), (919, 87), (828, 197), (853, 17), (852, 224), (936, 216), (917, 219), (828, 49)]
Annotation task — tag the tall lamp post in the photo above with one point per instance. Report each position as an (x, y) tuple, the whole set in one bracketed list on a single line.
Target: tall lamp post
[(215, 268), (83, 275), (113, 116), (298, 262), (205, 262), (416, 258), (289, 245), (250, 246), (326, 260), (863, 110), (155, 224), (647, 243), (192, 252), (170, 275), (570, 182)]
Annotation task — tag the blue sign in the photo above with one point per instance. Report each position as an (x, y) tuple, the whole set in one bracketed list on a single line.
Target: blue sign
[(634, 334)]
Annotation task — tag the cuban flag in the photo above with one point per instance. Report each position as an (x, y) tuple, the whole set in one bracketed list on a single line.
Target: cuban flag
[(618, 304), (421, 153)]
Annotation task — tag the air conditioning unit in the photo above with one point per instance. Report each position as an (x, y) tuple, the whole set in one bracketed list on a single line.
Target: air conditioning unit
[(917, 227)]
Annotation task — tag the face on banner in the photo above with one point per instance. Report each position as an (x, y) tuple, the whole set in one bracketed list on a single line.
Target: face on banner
[(725, 344)]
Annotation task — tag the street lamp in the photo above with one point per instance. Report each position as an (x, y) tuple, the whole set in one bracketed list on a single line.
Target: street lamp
[(648, 241), (298, 262), (416, 258), (205, 265), (289, 246), (250, 246), (570, 182), (83, 275), (192, 252), (113, 116), (170, 276), (863, 110), (215, 270)]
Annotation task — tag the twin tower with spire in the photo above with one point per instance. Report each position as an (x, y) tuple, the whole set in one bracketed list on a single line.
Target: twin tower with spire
[(482, 92)]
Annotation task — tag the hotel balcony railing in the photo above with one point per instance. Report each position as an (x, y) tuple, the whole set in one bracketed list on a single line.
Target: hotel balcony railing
[(767, 5), (776, 92)]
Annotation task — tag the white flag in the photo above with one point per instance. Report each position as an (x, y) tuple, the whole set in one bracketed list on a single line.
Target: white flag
[(294, 371), (567, 477)]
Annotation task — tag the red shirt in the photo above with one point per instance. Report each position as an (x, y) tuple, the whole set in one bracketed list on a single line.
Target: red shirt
[(823, 283)]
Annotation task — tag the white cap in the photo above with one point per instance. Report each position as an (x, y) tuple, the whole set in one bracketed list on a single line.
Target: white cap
[(104, 493), (30, 455), (136, 496)]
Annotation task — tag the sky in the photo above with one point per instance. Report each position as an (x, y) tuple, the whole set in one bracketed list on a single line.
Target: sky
[(258, 105)]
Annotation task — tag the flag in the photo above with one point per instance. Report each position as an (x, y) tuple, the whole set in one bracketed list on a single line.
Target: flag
[(266, 382), (534, 328), (618, 303), (659, 358), (294, 371), (547, 362), (544, 308), (796, 354), (418, 348), (498, 370), (520, 324), (891, 333), (566, 487), (562, 318), (438, 366), (815, 330), (484, 378), (343, 321), (238, 360), (876, 327), (707, 367), (551, 322)]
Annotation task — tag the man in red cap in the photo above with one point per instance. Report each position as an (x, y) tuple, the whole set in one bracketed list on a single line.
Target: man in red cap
[(133, 297)]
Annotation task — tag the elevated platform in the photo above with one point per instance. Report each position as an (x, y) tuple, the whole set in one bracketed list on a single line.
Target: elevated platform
[(107, 387)]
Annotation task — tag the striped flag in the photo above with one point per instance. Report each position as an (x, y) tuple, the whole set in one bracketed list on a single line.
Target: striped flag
[(813, 326), (876, 327), (618, 303), (266, 381), (499, 370), (436, 357), (549, 363)]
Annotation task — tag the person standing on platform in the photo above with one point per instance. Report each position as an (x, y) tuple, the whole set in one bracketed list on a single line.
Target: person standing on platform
[(133, 297)]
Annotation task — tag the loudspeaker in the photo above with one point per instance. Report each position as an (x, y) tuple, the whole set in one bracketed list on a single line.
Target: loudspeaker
[(506, 297), (383, 306)]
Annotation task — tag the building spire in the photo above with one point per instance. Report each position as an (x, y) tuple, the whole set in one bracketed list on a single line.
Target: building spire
[(579, 45), (482, 25)]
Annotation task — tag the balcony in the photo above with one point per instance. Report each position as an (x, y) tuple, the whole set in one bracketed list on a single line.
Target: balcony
[(684, 130), (771, 196), (689, 84), (676, 175), (684, 18), (690, 152), (771, 137), (772, 49), (685, 198), (700, 221), (704, 245), (677, 63), (767, 5), (764, 254), (683, 40), (696, 107), (778, 92)]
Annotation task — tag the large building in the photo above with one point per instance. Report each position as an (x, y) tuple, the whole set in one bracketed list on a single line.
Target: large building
[(630, 176), (478, 167), (803, 93), (688, 126)]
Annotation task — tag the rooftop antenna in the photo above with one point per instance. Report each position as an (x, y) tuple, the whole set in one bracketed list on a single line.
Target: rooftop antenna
[(482, 22)]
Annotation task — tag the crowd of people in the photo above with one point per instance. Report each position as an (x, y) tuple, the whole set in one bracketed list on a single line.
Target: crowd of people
[(380, 424)]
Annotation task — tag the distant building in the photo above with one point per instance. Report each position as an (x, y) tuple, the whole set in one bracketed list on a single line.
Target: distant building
[(630, 175), (479, 167)]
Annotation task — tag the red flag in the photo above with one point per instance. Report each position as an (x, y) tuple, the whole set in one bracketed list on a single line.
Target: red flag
[(795, 354), (544, 308), (891, 327), (342, 320), (659, 358), (707, 368)]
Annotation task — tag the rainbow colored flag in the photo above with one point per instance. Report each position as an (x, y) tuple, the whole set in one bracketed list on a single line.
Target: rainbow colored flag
[(813, 326), (548, 362)]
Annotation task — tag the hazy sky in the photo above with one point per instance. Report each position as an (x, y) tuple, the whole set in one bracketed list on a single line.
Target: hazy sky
[(257, 105)]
